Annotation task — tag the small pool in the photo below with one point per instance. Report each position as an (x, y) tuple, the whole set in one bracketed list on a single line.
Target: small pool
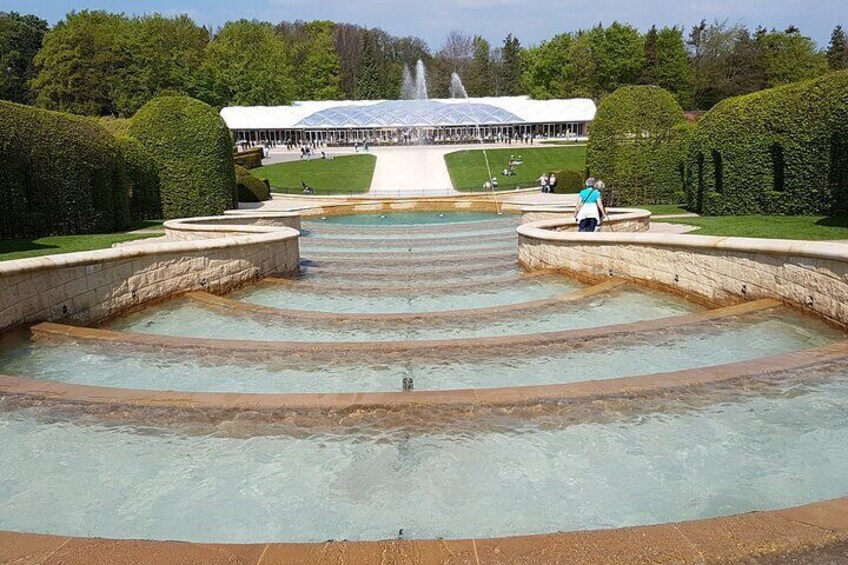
[(408, 218)]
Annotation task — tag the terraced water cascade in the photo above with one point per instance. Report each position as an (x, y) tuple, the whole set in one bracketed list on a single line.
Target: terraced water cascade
[(539, 403)]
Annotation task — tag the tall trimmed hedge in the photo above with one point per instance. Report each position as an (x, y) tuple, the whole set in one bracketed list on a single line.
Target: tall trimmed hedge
[(192, 149), (59, 174), (777, 151), (142, 180), (250, 188), (637, 146)]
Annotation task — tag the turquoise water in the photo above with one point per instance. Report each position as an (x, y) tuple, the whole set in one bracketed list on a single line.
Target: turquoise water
[(754, 454), (186, 318), (407, 218), (710, 345)]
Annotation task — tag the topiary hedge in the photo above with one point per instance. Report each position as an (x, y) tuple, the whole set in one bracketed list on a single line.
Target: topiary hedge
[(142, 180), (60, 174), (250, 188), (637, 146), (192, 149), (777, 151), (250, 159), (569, 181)]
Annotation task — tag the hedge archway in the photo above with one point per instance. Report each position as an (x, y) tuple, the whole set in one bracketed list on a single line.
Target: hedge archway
[(637, 143), (777, 151)]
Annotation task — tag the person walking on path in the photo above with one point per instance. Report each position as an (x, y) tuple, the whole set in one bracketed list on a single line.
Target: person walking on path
[(590, 208), (543, 182), (552, 182)]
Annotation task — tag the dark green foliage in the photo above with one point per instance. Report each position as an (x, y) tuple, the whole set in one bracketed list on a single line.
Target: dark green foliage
[(569, 181), (778, 151), (61, 174), (250, 159), (512, 67), (142, 181), (368, 81), (20, 40), (250, 188), (638, 146), (837, 50), (192, 149)]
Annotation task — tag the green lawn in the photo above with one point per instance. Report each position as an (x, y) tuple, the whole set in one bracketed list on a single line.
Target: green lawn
[(23, 248), (468, 168), (343, 175), (776, 227)]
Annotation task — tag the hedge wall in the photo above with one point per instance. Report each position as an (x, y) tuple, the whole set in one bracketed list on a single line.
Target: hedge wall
[(60, 174), (637, 146), (142, 180), (250, 159), (192, 149), (250, 188), (777, 151), (569, 181)]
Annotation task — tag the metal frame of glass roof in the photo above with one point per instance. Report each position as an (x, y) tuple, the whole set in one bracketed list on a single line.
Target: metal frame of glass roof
[(409, 113)]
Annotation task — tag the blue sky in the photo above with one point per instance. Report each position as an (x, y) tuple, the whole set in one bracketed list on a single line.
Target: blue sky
[(530, 20)]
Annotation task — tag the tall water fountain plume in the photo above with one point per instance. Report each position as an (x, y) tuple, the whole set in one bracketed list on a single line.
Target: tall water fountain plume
[(457, 89), (420, 81), (407, 89)]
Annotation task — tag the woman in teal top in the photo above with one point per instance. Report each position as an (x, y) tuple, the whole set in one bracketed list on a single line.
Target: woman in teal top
[(590, 208)]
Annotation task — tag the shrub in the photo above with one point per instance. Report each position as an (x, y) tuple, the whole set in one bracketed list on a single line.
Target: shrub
[(569, 181), (637, 146), (250, 159), (60, 174), (777, 151), (192, 149), (142, 181), (250, 188)]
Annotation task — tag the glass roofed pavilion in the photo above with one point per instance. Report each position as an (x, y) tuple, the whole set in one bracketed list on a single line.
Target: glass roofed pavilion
[(451, 120)]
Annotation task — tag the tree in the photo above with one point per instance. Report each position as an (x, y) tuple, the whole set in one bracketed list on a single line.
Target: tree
[(479, 79), (348, 45), (666, 63), (20, 40), (511, 67), (318, 71), (79, 63), (248, 66), (790, 56), (164, 55), (368, 83), (618, 52), (837, 50)]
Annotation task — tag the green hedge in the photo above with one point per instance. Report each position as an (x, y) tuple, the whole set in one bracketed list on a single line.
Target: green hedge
[(250, 159), (192, 149), (569, 181), (142, 181), (59, 174), (250, 188), (777, 151), (638, 146)]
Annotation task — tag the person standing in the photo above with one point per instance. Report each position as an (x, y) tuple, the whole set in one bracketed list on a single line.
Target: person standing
[(543, 182), (590, 208), (552, 183)]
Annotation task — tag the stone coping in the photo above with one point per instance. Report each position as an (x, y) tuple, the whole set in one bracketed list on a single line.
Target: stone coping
[(545, 230), (415, 259), (235, 223), (501, 236), (564, 221), (250, 308), (367, 197), (41, 391), (419, 348), (754, 538), (83, 258)]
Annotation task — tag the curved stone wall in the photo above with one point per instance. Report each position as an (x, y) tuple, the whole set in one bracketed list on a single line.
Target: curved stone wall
[(812, 276), (91, 286), (561, 218), (211, 227)]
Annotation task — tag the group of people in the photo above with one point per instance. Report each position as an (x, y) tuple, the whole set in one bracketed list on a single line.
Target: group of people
[(590, 211), (548, 183), (509, 171)]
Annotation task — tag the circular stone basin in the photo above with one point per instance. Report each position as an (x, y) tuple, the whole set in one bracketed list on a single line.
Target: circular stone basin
[(407, 218)]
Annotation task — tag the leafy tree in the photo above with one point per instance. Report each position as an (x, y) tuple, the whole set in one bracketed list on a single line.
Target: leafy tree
[(79, 64), (667, 63), (312, 54), (511, 67), (368, 84), (618, 51), (248, 66), (20, 40), (837, 50), (479, 79), (789, 57), (164, 55)]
